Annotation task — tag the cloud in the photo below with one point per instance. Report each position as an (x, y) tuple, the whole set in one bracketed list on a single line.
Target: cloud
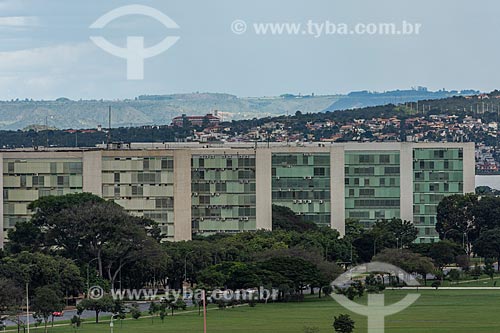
[(46, 59), (39, 71), (19, 21)]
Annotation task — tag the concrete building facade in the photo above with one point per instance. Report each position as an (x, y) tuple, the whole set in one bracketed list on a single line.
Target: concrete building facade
[(193, 189)]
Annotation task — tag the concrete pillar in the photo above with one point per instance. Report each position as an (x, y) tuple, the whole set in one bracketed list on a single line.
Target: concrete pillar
[(337, 190), (469, 165), (92, 172), (182, 195), (263, 188), (406, 181), (1, 204)]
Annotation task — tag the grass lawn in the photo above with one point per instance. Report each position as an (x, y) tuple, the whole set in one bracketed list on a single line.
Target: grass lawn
[(436, 311)]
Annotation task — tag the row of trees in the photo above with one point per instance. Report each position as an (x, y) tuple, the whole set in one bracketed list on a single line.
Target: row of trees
[(78, 240)]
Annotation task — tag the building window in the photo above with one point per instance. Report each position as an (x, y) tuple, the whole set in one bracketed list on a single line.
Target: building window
[(62, 181), (319, 171), (384, 159), (38, 181), (366, 192)]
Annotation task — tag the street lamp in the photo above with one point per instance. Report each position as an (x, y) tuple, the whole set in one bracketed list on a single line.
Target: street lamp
[(185, 265), (112, 324), (88, 276), (27, 307)]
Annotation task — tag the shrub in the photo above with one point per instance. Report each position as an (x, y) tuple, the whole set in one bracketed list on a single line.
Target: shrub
[(343, 324), (436, 284)]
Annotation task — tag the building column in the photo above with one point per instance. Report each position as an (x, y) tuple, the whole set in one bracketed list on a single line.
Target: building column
[(263, 189), (92, 172), (182, 195), (406, 181), (469, 165), (337, 188), (1, 204)]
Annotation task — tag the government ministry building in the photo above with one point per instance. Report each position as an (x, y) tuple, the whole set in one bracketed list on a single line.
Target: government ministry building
[(202, 189)]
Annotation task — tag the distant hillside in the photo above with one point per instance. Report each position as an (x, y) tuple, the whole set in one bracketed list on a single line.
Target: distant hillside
[(360, 99), (450, 119), (149, 110), (160, 109)]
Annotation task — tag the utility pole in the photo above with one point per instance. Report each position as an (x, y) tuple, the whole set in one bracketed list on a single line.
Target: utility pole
[(204, 311), (27, 308)]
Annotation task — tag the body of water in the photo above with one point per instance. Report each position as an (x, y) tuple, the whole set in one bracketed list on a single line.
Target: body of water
[(492, 181)]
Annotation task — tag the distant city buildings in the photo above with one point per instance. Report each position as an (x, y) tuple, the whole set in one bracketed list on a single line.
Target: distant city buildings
[(193, 188), (208, 120)]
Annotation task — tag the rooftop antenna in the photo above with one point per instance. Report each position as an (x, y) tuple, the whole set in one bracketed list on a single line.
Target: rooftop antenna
[(109, 127)]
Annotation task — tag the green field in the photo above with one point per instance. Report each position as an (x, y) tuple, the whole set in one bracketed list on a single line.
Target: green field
[(436, 311)]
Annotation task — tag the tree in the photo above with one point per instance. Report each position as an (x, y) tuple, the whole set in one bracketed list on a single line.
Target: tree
[(444, 253), (24, 237), (163, 310), (177, 304), (365, 246), (353, 229), (153, 310), (285, 219), (135, 311), (47, 301), (212, 277), (456, 212), (104, 304), (454, 275), (407, 260), (394, 233), (39, 270), (85, 227), (298, 271), (487, 213), (489, 269), (11, 297), (76, 322), (343, 324), (488, 244)]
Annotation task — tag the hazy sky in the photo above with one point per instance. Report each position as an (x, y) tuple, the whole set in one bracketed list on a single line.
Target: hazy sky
[(45, 50)]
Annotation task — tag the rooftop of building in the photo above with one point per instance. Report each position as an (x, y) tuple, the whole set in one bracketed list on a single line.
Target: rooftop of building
[(244, 145)]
